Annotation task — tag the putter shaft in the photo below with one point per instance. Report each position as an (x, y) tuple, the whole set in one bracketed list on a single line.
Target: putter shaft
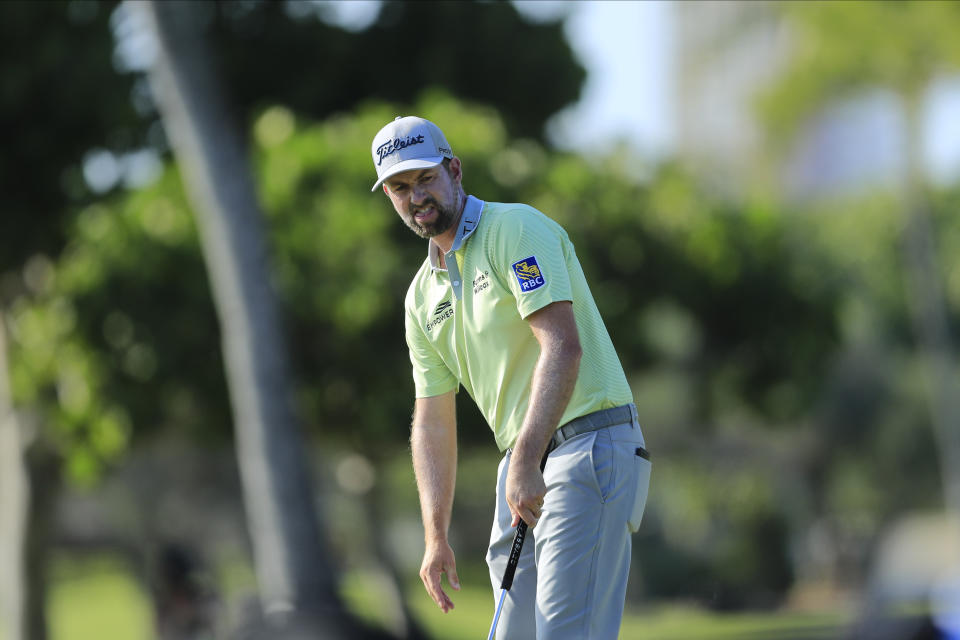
[(496, 616), (512, 562)]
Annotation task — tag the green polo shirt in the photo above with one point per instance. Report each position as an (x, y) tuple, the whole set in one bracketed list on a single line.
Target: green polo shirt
[(465, 324)]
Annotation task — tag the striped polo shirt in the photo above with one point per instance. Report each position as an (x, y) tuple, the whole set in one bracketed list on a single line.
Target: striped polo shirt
[(465, 325)]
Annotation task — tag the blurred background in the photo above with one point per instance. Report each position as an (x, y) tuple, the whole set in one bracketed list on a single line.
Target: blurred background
[(204, 389)]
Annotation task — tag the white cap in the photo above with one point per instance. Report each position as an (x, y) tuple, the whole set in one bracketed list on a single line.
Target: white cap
[(405, 144)]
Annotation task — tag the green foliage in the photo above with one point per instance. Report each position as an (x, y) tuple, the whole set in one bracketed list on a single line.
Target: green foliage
[(343, 260), (872, 422), (118, 337), (769, 349), (65, 90), (663, 257), (873, 398), (690, 287), (669, 259), (104, 332), (478, 51), (59, 98), (717, 531)]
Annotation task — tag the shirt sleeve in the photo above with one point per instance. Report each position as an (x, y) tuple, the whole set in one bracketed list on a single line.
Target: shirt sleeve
[(529, 256), (431, 376)]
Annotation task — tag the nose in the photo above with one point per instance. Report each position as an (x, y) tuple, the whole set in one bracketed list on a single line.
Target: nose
[(418, 194)]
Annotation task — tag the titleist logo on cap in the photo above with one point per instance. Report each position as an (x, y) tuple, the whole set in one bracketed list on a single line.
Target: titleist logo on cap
[(407, 144), (392, 146)]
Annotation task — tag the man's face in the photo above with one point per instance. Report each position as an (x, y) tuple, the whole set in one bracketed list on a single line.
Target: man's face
[(428, 200)]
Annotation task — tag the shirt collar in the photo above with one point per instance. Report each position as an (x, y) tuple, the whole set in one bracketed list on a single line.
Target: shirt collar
[(469, 222)]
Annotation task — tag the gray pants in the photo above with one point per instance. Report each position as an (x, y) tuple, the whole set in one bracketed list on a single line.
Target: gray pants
[(571, 582)]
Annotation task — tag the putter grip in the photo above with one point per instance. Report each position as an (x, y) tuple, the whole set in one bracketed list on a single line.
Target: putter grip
[(514, 556)]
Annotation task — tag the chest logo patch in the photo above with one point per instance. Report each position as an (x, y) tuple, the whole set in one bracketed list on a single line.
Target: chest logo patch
[(528, 274), (482, 282), (443, 312)]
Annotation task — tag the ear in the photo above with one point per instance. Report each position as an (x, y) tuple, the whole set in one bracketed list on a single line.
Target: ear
[(456, 170), (385, 190)]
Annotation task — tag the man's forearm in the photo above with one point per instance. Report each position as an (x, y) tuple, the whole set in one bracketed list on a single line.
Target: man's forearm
[(433, 444), (434, 451), (550, 391)]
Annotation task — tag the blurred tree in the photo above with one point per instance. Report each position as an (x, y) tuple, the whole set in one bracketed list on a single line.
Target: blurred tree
[(708, 293), (295, 575), (61, 53), (129, 307), (100, 346), (13, 512), (478, 51), (844, 48), (71, 122), (64, 95), (116, 337), (60, 99), (711, 287)]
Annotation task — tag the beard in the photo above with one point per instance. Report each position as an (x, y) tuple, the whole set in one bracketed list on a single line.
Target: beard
[(445, 218)]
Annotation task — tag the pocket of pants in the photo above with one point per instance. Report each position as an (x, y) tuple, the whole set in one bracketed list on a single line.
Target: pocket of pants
[(602, 456), (643, 466)]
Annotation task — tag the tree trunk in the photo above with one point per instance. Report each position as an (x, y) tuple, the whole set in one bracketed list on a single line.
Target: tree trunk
[(13, 510), (293, 570), (43, 489), (29, 487), (928, 308)]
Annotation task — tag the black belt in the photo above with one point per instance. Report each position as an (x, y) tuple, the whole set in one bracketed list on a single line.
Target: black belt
[(592, 422)]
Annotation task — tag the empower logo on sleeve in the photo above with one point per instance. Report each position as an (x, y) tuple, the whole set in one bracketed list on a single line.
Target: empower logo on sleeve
[(528, 274)]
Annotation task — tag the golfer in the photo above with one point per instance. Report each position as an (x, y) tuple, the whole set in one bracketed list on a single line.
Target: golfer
[(501, 307)]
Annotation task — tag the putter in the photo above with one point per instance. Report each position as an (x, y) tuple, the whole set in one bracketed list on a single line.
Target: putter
[(512, 562), (507, 581)]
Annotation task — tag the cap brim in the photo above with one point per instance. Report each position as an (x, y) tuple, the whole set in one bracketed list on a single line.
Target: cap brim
[(408, 165)]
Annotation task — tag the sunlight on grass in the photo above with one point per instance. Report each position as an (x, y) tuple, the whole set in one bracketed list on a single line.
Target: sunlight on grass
[(470, 618), (96, 599), (684, 623), (474, 612)]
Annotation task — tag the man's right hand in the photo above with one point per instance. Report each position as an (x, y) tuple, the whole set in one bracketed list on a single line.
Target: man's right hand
[(437, 560)]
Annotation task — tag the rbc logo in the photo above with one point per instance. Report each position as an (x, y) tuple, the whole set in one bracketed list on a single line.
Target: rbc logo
[(528, 274)]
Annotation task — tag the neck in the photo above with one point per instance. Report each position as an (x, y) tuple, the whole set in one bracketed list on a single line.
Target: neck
[(444, 241)]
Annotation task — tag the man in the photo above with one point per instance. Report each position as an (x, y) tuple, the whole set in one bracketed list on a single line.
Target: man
[(501, 307)]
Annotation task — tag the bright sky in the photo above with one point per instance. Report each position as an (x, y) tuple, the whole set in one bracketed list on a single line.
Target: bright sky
[(625, 47), (943, 129)]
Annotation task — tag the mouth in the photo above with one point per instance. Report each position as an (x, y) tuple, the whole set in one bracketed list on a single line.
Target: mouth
[(424, 213)]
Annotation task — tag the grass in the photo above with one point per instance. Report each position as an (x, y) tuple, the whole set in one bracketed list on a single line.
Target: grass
[(98, 599), (475, 607)]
